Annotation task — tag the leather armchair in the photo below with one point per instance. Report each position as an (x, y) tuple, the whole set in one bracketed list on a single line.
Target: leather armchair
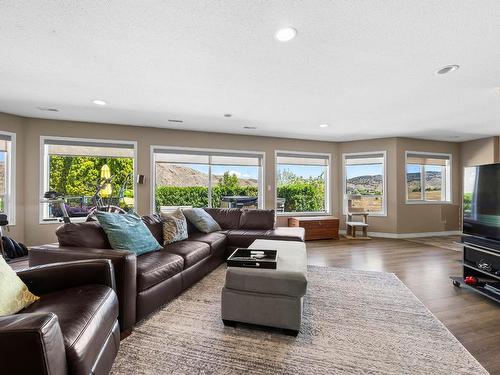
[(125, 269), (48, 337)]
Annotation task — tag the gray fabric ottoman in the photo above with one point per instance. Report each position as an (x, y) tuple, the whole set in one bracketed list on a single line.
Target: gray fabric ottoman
[(268, 297)]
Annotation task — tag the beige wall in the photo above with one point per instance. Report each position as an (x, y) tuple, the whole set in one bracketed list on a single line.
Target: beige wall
[(400, 218), (480, 151)]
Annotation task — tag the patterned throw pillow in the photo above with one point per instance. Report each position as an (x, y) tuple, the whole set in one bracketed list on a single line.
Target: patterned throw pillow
[(174, 227), (127, 232), (14, 294)]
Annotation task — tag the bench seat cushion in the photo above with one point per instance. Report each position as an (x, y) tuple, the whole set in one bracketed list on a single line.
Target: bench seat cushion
[(191, 251), (216, 240), (153, 268)]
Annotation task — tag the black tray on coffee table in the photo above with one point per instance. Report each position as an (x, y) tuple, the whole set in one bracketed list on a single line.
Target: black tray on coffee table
[(253, 258)]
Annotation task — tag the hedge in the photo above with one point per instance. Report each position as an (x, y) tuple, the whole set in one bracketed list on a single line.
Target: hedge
[(299, 197)]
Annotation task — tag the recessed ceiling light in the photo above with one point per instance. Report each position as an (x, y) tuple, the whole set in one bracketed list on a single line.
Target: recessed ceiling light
[(99, 102), (286, 34), (172, 120), (323, 125), (447, 69), (48, 109), (227, 115), (250, 127)]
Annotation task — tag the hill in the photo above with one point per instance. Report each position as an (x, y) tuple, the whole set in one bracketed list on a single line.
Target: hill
[(178, 175)]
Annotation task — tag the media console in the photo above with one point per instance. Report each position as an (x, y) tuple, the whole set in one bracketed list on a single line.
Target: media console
[(481, 259)]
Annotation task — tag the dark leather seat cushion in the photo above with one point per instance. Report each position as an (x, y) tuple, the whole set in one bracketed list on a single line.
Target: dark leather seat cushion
[(216, 240), (244, 238), (86, 316), (227, 218), (191, 251), (157, 266), (287, 234)]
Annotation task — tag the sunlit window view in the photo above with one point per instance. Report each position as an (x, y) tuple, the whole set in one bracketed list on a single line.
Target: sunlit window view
[(427, 177), (207, 179), (302, 182), (364, 181), (5, 172), (78, 170)]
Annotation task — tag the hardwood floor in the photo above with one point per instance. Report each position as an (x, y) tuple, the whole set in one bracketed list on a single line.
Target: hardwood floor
[(425, 269)]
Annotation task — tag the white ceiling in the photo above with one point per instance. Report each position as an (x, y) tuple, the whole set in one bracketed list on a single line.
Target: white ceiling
[(364, 67)]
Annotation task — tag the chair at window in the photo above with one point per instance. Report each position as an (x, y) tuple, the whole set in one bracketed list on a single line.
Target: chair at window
[(354, 208), (280, 204)]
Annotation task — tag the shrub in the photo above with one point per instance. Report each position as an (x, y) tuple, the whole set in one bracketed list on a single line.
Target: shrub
[(299, 197), (196, 196), (302, 197)]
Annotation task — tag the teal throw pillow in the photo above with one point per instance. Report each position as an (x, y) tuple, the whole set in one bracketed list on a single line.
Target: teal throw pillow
[(127, 232), (201, 219)]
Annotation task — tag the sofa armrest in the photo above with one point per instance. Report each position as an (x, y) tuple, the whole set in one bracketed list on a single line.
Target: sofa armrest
[(57, 276), (124, 264), (32, 344)]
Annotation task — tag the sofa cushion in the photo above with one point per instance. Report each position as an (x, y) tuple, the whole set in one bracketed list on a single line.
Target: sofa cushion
[(127, 232), (228, 218), (286, 234), (88, 234), (257, 219), (86, 316), (244, 238), (201, 220), (191, 251), (155, 267), (174, 227), (155, 226), (216, 240)]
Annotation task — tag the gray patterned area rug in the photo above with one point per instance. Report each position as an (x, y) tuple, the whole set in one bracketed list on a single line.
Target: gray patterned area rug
[(354, 322)]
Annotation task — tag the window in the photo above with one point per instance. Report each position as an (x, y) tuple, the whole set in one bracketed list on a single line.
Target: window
[(7, 175), (206, 178), (302, 182), (75, 167), (365, 182), (428, 177)]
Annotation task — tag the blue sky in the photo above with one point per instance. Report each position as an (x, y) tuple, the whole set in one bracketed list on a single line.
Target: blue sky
[(2, 155), (364, 170), (415, 168)]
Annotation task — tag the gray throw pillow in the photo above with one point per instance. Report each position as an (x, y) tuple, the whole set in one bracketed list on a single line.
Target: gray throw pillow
[(201, 220)]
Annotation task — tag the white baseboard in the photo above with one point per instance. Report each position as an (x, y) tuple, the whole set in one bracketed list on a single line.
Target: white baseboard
[(411, 235)]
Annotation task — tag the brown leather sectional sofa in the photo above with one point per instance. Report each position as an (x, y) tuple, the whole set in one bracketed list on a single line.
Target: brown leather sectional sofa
[(146, 282)]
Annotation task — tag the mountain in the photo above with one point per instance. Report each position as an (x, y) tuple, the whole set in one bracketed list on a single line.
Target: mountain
[(178, 175), (375, 183)]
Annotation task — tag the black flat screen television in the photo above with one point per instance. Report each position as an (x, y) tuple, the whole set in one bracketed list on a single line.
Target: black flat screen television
[(481, 205)]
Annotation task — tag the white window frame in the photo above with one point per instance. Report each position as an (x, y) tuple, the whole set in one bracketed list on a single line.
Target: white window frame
[(261, 177), (448, 179), (328, 207), (10, 176), (44, 171), (345, 156)]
